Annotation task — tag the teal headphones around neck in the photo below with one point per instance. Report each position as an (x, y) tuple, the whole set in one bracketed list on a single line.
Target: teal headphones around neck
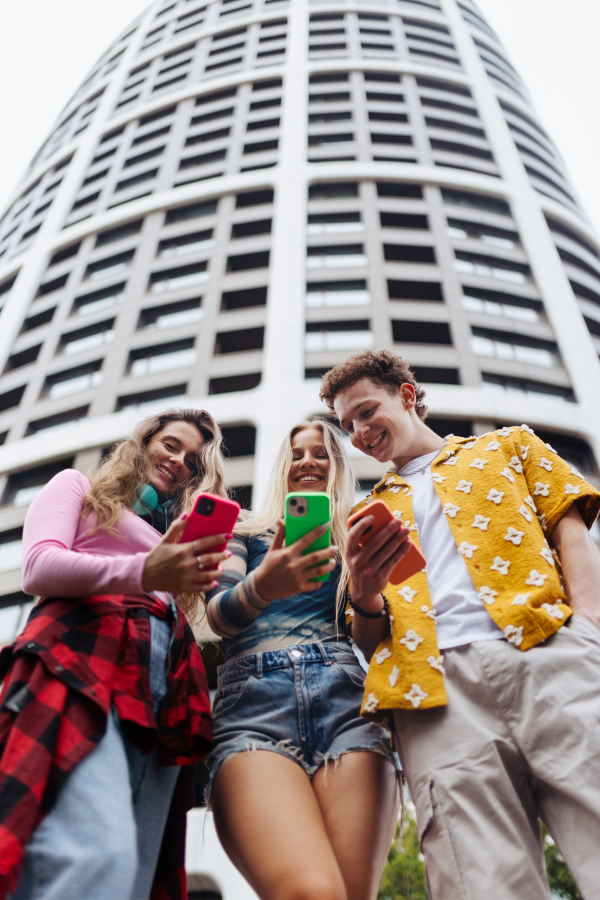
[(146, 502)]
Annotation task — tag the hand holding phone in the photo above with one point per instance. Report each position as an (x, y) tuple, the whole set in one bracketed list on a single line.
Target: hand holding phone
[(211, 515), (413, 560)]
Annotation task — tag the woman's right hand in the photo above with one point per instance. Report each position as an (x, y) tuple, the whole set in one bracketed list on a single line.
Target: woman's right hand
[(285, 572), (171, 566)]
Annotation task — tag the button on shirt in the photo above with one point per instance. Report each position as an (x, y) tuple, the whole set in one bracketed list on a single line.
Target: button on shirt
[(460, 616)]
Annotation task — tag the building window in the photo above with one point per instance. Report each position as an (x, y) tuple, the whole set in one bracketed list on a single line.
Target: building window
[(11, 545), (491, 267), (410, 332), (23, 358), (23, 487), (174, 394), (170, 315), (185, 243), (349, 335), (493, 382), (111, 265), (245, 261), (239, 341), (334, 223), (493, 237), (191, 211), (496, 303), (162, 358), (58, 421), (336, 256), (182, 277), (337, 293), (514, 347), (243, 299), (98, 300), (119, 233), (333, 191), (86, 338), (231, 383), (72, 381)]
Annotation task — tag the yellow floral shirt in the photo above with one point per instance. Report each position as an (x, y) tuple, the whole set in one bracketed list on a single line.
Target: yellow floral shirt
[(501, 492)]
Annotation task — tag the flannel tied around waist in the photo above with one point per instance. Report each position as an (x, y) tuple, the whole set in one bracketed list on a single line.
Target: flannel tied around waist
[(76, 658)]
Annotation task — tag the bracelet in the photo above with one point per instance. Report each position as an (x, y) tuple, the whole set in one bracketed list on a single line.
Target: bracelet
[(367, 615)]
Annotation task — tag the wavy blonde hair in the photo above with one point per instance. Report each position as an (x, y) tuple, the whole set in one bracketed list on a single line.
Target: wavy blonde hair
[(340, 486)]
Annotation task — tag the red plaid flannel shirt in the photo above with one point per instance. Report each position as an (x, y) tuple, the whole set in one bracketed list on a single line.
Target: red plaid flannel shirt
[(74, 659)]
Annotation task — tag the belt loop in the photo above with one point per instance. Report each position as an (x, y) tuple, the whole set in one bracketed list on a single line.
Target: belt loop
[(259, 665), (323, 652)]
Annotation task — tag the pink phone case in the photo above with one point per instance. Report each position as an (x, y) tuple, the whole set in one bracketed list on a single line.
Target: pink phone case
[(210, 515)]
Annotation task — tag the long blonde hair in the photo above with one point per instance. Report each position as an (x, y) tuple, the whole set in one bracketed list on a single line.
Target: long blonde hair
[(116, 482), (340, 487)]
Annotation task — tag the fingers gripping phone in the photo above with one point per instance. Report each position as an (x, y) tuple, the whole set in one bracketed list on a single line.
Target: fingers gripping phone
[(411, 563), (210, 515), (303, 512)]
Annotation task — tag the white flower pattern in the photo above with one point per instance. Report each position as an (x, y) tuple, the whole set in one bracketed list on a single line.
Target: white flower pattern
[(527, 429), (516, 465), (430, 613), (467, 549), (464, 486), (371, 704), (500, 565), (437, 664), (524, 452), (514, 635), (546, 554), (536, 578), (411, 640), (416, 696), (495, 496), (545, 464), (506, 473), (450, 509), (520, 599), (525, 513), (493, 445), (478, 463), (514, 536), (571, 488), (469, 446), (383, 654), (553, 610), (407, 593), (504, 432), (487, 595), (530, 503), (438, 478), (393, 676), (480, 522), (541, 490)]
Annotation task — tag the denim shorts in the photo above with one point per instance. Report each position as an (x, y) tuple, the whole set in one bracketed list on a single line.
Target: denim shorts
[(302, 702)]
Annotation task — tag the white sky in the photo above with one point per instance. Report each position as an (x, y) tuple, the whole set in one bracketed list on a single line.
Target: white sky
[(46, 49)]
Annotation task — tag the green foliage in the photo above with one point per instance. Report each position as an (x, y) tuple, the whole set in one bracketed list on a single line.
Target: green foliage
[(404, 874), (562, 883)]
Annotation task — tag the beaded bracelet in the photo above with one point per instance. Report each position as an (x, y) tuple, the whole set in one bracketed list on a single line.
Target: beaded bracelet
[(367, 615)]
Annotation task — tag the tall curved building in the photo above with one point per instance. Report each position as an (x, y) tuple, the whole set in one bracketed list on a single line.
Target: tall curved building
[(244, 191)]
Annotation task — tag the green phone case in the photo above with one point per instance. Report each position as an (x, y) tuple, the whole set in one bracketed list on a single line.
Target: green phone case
[(317, 514)]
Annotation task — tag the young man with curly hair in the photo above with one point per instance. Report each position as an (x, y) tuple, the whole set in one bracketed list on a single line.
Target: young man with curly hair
[(487, 663)]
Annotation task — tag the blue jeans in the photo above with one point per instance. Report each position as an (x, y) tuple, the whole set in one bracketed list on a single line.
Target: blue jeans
[(95, 843), (302, 702)]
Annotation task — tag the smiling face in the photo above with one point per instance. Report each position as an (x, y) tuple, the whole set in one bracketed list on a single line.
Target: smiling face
[(172, 456), (383, 424), (310, 465)]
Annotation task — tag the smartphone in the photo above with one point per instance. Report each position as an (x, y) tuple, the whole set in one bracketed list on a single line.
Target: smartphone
[(303, 512), (210, 515), (411, 563)]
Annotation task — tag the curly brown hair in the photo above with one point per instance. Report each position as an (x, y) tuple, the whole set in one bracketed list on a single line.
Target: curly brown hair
[(382, 367)]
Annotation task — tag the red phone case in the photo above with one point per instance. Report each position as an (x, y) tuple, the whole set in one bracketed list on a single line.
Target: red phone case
[(220, 521), (411, 563)]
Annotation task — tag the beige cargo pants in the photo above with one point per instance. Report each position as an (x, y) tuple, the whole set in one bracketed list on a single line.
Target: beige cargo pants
[(519, 739)]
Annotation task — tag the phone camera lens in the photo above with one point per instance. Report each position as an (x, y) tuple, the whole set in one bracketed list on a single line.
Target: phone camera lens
[(293, 501), (301, 509)]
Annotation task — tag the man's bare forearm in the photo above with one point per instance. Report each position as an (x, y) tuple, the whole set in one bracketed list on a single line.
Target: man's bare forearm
[(580, 563), (369, 633)]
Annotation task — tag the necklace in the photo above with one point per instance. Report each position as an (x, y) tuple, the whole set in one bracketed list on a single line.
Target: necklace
[(421, 468)]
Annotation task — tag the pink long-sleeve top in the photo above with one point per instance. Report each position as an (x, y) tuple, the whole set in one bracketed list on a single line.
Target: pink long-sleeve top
[(62, 557)]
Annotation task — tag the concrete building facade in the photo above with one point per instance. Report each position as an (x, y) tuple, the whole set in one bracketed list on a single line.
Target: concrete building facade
[(244, 191)]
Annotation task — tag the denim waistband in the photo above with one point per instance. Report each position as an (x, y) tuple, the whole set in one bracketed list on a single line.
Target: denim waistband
[(294, 655)]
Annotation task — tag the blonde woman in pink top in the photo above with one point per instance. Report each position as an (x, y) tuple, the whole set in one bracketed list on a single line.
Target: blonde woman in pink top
[(105, 704)]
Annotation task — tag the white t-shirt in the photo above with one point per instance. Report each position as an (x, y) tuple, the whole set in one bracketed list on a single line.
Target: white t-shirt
[(461, 617)]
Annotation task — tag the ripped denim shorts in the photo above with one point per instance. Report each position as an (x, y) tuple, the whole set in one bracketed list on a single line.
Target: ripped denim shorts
[(302, 702)]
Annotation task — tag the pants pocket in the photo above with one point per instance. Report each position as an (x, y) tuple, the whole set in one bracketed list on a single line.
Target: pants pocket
[(441, 868)]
